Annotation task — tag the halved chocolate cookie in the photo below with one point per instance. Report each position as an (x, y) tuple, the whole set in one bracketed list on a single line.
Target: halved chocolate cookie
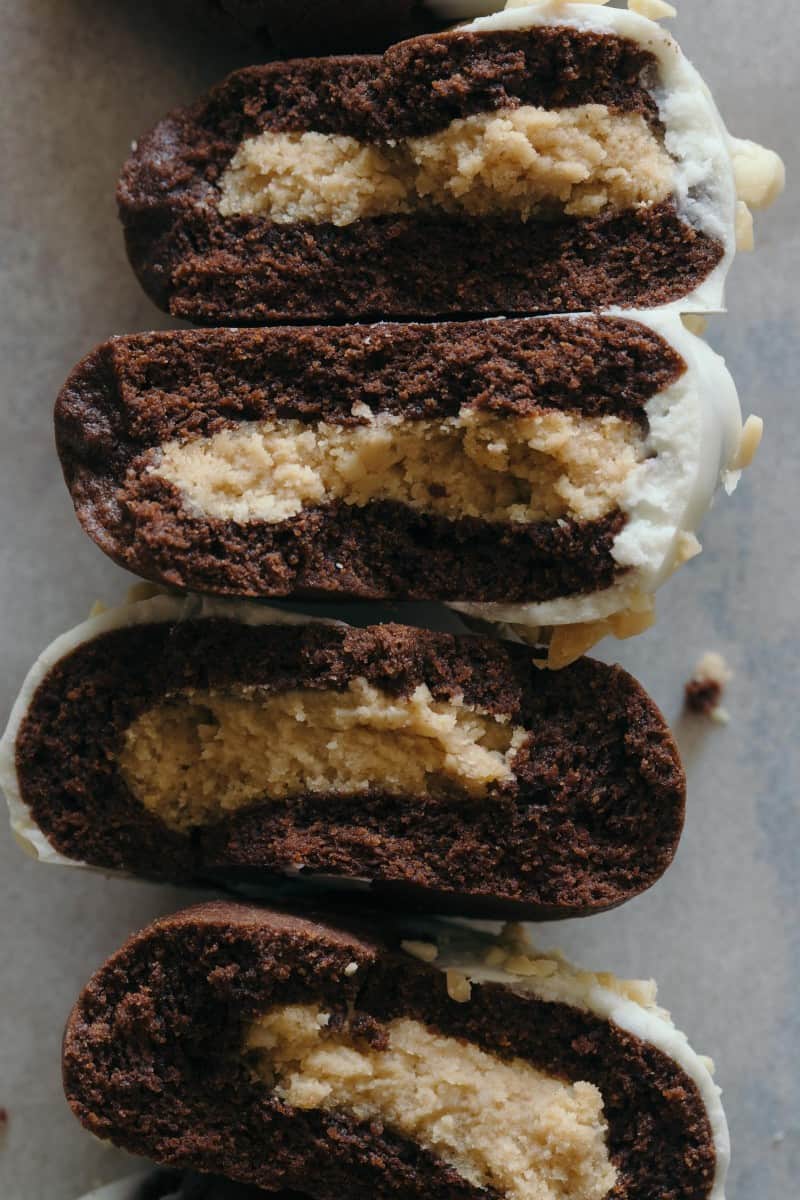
[(343, 1062), (545, 159), (542, 472), (183, 741)]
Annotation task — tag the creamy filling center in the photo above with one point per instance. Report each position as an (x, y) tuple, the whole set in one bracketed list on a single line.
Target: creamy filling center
[(500, 1124), (527, 162), (520, 469), (199, 755)]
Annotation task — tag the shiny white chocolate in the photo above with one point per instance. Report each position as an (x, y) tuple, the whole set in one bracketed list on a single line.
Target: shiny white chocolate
[(161, 608), (709, 162), (694, 438), (629, 1004)]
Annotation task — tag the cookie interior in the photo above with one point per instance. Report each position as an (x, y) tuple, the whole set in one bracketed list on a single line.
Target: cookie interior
[(284, 1053)]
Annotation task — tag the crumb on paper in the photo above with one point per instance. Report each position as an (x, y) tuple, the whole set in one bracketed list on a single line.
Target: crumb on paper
[(705, 688)]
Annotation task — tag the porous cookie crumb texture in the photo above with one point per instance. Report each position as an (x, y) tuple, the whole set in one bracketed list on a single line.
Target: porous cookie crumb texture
[(419, 762), (535, 468), (469, 461), (500, 1124), (200, 755), (529, 162), (377, 1084)]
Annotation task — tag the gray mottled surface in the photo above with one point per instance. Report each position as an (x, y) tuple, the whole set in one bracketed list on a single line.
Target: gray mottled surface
[(79, 81)]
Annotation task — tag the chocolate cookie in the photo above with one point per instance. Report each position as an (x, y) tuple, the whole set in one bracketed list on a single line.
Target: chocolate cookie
[(435, 1063), (543, 472), (242, 744), (514, 166)]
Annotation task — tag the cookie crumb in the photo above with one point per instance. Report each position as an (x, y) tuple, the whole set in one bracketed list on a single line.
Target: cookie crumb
[(704, 689)]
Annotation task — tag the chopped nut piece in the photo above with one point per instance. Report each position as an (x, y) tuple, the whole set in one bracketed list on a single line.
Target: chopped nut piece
[(687, 547), (752, 434), (656, 10), (695, 323), (569, 642), (459, 987), (642, 991), (521, 964), (426, 951), (351, 968), (760, 173)]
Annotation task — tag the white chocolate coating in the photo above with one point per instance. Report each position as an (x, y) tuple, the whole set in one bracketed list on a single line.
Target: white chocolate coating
[(629, 1004), (695, 435), (461, 953), (695, 428), (143, 612), (695, 135)]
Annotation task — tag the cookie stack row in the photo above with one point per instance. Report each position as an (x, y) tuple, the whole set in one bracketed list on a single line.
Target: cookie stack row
[(447, 302)]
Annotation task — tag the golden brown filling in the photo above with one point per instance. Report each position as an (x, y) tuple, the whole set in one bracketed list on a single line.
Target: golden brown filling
[(529, 162), (200, 755), (500, 1124), (519, 469)]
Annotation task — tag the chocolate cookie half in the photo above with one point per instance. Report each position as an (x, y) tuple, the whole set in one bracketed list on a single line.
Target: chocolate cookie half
[(343, 1062), (555, 158), (546, 472), (347, 26), (180, 740)]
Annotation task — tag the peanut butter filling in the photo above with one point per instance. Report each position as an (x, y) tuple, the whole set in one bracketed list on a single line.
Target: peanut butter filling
[(527, 162), (520, 469), (500, 1124), (200, 755)]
